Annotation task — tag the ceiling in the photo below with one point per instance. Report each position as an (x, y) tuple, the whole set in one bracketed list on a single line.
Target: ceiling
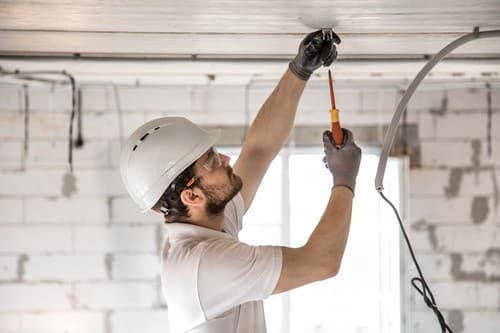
[(166, 40)]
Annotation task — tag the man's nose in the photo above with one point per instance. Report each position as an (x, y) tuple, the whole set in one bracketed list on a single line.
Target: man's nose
[(225, 160)]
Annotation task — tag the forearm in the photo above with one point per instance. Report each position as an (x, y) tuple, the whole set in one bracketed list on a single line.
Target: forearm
[(275, 119), (328, 240)]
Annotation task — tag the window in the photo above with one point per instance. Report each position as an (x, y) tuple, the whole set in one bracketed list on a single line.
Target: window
[(365, 295)]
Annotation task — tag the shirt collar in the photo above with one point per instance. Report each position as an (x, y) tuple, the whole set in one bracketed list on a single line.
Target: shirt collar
[(184, 230)]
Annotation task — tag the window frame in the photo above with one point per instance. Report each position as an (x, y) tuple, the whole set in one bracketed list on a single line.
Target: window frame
[(402, 166)]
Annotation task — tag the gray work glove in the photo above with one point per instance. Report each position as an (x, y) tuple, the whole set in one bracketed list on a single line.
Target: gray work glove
[(342, 162), (314, 52)]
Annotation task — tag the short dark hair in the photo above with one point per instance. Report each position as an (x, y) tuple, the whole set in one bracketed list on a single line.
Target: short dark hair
[(171, 200)]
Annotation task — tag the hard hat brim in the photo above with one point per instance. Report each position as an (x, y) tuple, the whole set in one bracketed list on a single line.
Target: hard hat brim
[(156, 191)]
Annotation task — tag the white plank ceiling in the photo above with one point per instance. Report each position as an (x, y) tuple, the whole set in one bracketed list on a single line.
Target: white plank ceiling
[(379, 37)]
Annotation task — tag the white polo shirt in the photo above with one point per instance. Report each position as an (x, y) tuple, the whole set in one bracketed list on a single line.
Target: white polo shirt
[(212, 282)]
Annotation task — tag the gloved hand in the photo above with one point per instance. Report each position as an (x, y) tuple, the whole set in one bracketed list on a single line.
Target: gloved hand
[(314, 52), (342, 162)]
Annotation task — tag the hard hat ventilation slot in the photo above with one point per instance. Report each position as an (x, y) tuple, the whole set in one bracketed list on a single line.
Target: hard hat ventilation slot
[(135, 147), (144, 136)]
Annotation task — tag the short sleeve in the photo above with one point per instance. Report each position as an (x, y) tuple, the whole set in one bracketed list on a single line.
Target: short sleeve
[(232, 273)]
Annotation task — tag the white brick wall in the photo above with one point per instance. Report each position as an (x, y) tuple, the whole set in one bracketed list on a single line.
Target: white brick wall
[(35, 239), (115, 239), (64, 210), (426, 125), (31, 182), (94, 153), (461, 295), (140, 321), (10, 323), (442, 153), (12, 210), (65, 268), (436, 267), (89, 262), (11, 125), (480, 183), (441, 210), (96, 99), (464, 125), (421, 242), (425, 100), (11, 154), (208, 99), (62, 322), (34, 297), (423, 322), (384, 101), (468, 99), (107, 296), (124, 210), (495, 124), (173, 99), (485, 263), (135, 267), (8, 268), (428, 181), (469, 238), (487, 321), (99, 182), (11, 98), (48, 99)]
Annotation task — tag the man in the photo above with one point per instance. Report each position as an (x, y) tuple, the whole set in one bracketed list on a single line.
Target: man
[(212, 282)]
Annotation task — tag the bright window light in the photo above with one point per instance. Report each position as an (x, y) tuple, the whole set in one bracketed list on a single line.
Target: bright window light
[(365, 295)]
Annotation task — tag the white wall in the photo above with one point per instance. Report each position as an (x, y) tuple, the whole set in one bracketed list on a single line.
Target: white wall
[(88, 262)]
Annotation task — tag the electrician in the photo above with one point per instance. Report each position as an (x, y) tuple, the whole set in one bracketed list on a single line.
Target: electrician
[(211, 281)]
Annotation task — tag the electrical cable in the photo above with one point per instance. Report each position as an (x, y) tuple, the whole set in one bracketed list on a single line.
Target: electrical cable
[(426, 290), (391, 132), (26, 122), (389, 140), (405, 132), (79, 137), (246, 111), (31, 76), (490, 116), (72, 118)]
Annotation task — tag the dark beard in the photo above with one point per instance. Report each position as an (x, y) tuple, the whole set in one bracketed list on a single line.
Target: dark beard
[(219, 195)]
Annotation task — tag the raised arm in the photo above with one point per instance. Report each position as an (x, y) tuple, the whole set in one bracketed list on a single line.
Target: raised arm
[(268, 133), (322, 255), (273, 123)]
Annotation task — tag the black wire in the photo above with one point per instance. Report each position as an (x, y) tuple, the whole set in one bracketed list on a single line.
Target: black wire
[(31, 75), (490, 115), (26, 121), (72, 117), (425, 290), (79, 137)]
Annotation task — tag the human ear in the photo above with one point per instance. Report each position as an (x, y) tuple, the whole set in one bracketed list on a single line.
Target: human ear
[(192, 197)]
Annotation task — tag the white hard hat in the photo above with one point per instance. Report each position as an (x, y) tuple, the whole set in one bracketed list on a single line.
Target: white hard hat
[(157, 152)]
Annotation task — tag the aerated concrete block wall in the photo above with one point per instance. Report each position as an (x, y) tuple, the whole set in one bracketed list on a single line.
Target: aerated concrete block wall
[(455, 209), (79, 257)]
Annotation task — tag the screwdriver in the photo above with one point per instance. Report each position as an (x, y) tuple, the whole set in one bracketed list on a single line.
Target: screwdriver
[(337, 134)]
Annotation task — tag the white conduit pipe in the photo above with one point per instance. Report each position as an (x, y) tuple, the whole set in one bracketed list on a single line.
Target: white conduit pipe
[(391, 132)]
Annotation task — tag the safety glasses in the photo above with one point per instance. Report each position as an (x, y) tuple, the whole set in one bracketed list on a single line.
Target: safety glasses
[(213, 162)]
